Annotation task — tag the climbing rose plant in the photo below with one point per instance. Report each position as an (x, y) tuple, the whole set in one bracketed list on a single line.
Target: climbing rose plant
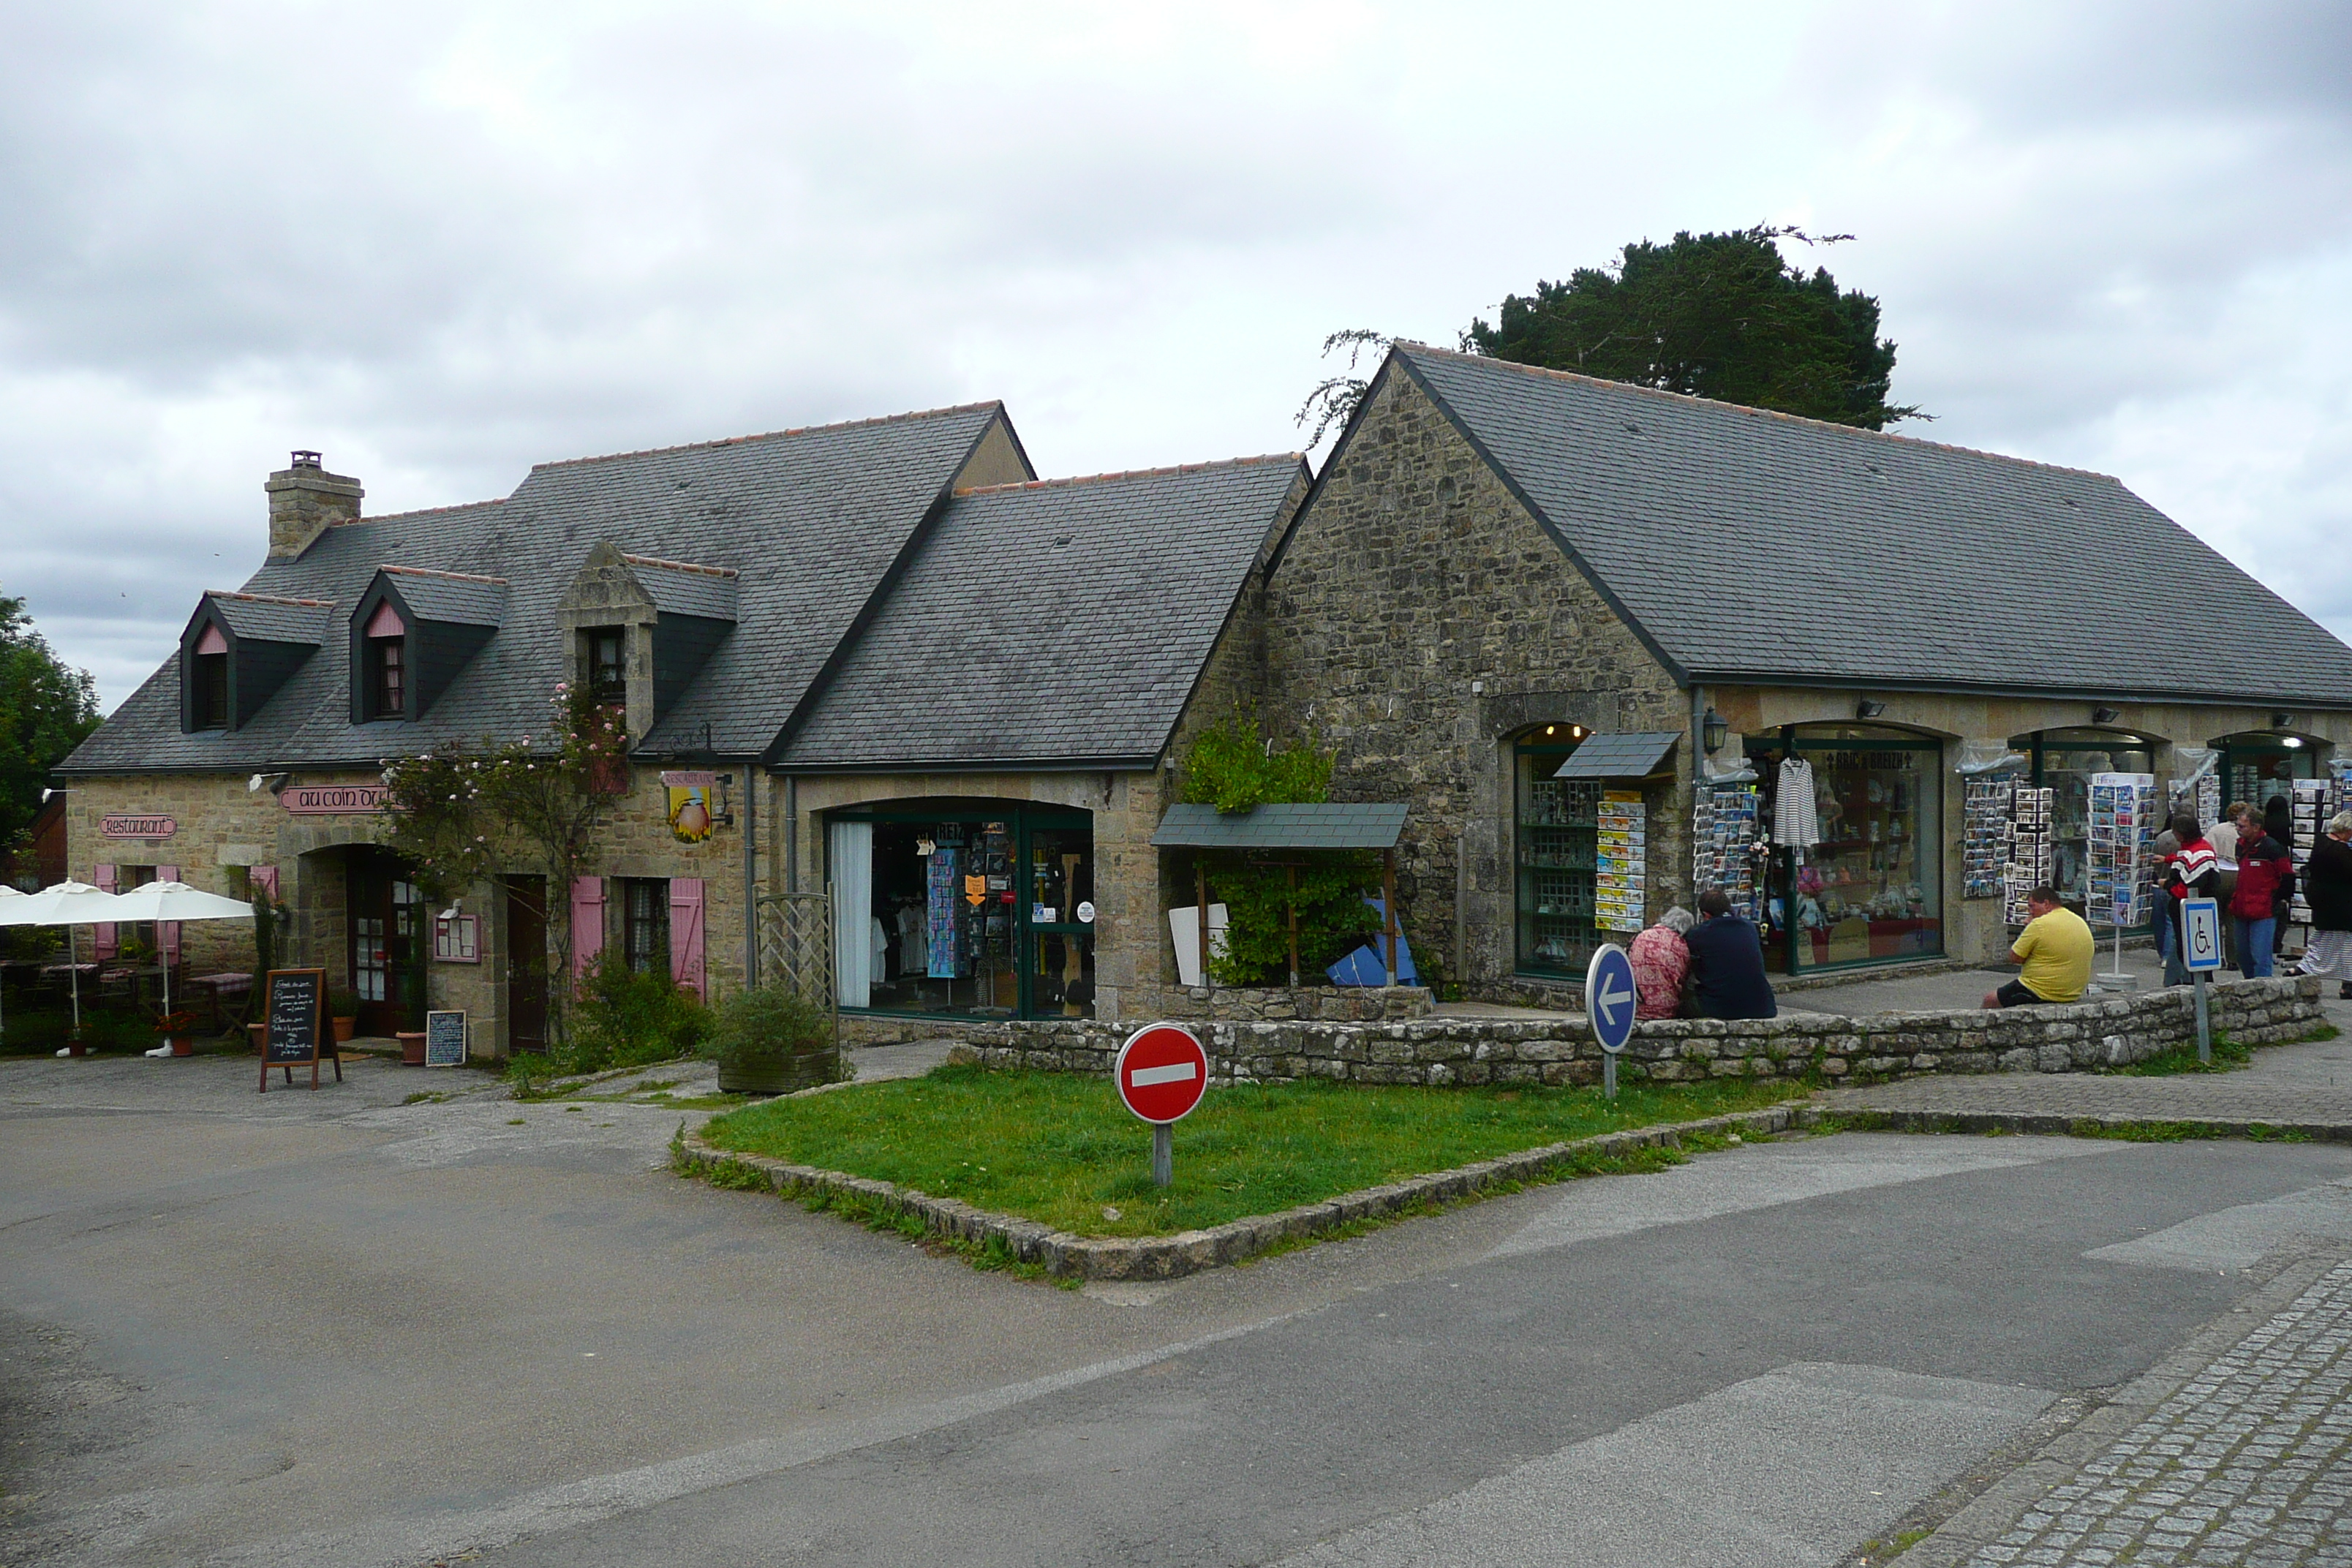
[(535, 803)]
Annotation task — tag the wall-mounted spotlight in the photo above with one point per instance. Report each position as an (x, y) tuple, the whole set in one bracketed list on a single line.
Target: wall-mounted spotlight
[(1866, 708), (2105, 715), (2281, 721)]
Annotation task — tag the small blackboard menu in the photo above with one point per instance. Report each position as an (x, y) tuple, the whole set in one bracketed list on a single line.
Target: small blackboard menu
[(296, 1011), (444, 1039)]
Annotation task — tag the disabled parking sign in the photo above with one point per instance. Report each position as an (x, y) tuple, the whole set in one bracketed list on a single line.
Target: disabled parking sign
[(2200, 935)]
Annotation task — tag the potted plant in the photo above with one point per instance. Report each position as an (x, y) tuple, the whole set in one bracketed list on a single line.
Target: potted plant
[(343, 1012), (770, 1040), (176, 1032)]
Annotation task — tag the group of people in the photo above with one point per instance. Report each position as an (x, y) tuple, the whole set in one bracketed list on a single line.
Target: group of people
[(2245, 867), (1712, 966), (1707, 967)]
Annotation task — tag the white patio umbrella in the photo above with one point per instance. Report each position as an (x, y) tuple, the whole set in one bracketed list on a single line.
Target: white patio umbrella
[(67, 904), (175, 902)]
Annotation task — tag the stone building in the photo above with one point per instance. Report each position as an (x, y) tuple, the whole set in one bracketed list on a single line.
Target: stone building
[(880, 658), (1599, 641), (1505, 574)]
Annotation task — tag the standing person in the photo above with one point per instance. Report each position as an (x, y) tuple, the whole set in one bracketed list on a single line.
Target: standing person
[(2327, 888), (2262, 891), (2057, 948), (2190, 875), (1726, 960), (1661, 964), (2224, 840), (2167, 932), (2278, 821)]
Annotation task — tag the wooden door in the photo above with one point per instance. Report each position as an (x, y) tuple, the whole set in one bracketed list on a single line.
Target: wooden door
[(387, 943), (526, 960)]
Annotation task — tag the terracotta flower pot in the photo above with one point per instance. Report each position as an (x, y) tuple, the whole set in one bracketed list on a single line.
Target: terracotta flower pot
[(412, 1050), (182, 1046), (343, 1029)]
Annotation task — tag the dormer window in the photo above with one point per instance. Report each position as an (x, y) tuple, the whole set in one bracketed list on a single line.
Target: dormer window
[(387, 664), (605, 650), (208, 684)]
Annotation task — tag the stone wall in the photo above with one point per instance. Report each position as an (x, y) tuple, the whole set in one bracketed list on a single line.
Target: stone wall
[(2114, 1032), (1420, 619)]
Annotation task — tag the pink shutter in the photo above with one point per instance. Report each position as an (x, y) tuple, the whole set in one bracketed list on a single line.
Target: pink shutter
[(102, 945), (686, 933), (167, 933), (587, 923), (267, 878)]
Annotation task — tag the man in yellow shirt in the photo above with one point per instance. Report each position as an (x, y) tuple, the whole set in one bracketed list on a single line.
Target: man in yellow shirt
[(2055, 948)]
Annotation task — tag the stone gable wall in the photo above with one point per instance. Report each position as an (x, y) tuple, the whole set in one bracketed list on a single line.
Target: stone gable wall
[(1441, 1051), (1413, 578)]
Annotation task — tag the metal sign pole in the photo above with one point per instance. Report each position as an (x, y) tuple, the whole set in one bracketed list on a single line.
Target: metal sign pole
[(2204, 1028), (1609, 1074), (1163, 1149)]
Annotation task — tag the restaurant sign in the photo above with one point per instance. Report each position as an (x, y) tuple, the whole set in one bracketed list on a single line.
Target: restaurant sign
[(334, 800), (126, 825)]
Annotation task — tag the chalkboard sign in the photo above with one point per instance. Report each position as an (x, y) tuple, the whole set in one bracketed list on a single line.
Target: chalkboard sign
[(296, 1011), (444, 1039)]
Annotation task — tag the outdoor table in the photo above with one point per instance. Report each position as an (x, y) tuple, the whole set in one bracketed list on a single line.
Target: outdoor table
[(220, 986)]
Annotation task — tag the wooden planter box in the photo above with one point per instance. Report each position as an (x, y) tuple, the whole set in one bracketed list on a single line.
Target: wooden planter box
[(777, 1075)]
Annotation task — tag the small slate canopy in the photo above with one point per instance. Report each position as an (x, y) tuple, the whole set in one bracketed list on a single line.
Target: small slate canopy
[(1327, 827), (1634, 754)]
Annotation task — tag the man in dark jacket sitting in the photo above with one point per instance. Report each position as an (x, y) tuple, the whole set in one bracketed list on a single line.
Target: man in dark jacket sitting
[(1726, 964)]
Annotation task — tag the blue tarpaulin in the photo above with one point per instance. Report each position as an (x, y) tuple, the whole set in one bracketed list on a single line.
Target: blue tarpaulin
[(1368, 965)]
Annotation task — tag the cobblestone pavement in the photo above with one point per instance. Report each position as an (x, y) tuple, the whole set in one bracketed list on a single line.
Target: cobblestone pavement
[(2236, 1451), (2306, 1086)]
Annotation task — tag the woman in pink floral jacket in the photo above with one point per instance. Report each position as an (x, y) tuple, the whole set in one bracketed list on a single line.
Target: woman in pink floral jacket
[(1660, 963)]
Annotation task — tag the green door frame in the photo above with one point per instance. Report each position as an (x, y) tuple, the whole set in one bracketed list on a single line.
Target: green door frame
[(1026, 817)]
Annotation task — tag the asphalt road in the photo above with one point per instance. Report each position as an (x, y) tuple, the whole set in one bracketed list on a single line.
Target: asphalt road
[(333, 1330)]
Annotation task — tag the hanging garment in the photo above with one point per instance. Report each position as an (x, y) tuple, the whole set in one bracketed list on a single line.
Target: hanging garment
[(1795, 809), (942, 886), (912, 959)]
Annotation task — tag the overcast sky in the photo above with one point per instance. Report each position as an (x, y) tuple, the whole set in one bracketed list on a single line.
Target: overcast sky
[(441, 242)]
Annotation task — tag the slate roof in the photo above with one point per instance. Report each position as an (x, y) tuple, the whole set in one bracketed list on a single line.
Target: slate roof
[(1634, 754), (267, 619), (463, 598), (813, 519), (1061, 623), (1355, 826), (682, 588), (1742, 544)]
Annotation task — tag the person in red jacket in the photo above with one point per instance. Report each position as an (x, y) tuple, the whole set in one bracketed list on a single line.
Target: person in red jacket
[(2265, 890)]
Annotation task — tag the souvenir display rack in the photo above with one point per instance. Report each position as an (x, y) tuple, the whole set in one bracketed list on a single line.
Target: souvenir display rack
[(2028, 867), (1723, 830), (2122, 849), (1621, 847), (2308, 809), (1990, 799)]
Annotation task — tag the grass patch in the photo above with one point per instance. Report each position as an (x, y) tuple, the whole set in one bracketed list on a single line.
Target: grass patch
[(1059, 1148), (2228, 1056)]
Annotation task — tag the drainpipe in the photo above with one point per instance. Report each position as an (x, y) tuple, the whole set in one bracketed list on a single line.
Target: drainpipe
[(792, 835), (750, 872), (1697, 774)]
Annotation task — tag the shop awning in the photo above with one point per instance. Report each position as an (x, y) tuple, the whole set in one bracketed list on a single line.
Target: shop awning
[(1348, 827), (1634, 754)]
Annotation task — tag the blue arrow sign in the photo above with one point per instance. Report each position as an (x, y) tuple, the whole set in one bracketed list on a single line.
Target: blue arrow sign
[(1609, 997)]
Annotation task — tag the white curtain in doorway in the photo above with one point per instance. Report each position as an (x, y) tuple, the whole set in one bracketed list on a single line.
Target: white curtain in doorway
[(850, 860)]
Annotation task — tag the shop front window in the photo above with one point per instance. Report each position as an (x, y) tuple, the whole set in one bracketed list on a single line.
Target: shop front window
[(2261, 767), (2063, 763), (1869, 890), (983, 911), (1556, 832)]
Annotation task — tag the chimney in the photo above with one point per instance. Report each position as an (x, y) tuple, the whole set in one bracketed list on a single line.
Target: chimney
[(304, 501)]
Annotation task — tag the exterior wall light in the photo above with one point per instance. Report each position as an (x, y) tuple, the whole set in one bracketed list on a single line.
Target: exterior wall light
[(1715, 729), (2105, 715), (1866, 708), (2281, 721), (2292, 741)]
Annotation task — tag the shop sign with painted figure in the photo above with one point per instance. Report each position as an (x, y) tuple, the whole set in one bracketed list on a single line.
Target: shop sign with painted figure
[(690, 812)]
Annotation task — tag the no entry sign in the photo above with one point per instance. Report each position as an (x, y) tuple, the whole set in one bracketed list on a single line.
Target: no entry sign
[(1161, 1073)]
